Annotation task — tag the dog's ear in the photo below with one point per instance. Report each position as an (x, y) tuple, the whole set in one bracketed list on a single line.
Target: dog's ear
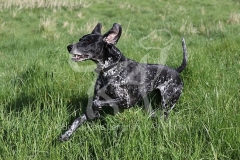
[(97, 29), (113, 35)]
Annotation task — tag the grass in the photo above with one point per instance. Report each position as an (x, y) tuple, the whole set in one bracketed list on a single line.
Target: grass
[(42, 91)]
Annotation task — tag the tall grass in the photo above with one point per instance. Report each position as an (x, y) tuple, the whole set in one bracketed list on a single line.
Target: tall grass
[(42, 91)]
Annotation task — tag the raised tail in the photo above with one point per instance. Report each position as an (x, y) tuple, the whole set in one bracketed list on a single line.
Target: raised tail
[(184, 61)]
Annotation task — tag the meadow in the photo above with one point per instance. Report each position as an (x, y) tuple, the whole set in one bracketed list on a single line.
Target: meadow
[(42, 91)]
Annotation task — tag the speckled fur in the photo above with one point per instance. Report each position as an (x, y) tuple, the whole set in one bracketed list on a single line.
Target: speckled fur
[(123, 82)]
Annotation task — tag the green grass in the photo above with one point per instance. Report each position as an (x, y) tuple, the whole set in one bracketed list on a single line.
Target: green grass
[(42, 91)]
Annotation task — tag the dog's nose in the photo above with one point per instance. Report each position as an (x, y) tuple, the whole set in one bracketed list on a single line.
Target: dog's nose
[(69, 48)]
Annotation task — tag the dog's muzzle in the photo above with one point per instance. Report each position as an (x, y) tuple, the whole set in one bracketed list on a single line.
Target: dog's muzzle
[(77, 57)]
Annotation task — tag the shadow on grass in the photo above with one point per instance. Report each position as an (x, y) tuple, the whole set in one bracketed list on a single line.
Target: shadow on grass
[(27, 89), (22, 101)]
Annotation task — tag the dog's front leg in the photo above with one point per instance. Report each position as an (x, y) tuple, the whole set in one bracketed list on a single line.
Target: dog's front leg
[(90, 113), (77, 122)]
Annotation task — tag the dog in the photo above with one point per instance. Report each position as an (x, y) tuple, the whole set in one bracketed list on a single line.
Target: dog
[(122, 82)]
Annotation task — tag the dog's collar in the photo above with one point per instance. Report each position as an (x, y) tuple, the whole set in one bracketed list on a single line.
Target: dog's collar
[(108, 68), (111, 66), (103, 70)]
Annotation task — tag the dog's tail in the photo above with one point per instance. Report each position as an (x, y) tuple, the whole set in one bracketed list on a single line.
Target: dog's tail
[(184, 62)]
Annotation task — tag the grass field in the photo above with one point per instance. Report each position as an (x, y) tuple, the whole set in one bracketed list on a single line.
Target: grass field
[(42, 91)]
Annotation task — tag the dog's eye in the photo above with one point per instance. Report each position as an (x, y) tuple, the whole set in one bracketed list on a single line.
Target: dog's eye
[(87, 40)]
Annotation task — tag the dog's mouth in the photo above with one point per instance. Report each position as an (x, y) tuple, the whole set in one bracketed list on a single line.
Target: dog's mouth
[(78, 58)]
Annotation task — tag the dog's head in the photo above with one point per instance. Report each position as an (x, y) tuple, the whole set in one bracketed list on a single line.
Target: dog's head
[(92, 45)]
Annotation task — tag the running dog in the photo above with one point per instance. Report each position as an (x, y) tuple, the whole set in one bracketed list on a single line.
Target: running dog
[(123, 82)]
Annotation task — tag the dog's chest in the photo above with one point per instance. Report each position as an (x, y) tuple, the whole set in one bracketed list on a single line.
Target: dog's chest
[(110, 82), (117, 87), (120, 84)]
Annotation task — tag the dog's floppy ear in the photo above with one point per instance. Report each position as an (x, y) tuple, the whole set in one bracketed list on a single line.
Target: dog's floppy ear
[(97, 29), (113, 35)]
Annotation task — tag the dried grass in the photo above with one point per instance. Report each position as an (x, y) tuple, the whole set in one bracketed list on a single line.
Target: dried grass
[(22, 4), (234, 18)]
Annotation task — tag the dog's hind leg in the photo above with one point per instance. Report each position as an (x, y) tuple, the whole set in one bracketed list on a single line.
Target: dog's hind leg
[(169, 96), (167, 104), (164, 105)]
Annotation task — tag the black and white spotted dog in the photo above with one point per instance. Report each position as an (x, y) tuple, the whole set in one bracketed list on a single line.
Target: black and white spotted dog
[(122, 82)]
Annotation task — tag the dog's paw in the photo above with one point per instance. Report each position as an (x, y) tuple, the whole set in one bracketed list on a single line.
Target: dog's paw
[(64, 138)]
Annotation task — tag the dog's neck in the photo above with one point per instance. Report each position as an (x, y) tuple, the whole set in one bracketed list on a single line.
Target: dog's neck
[(114, 57)]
